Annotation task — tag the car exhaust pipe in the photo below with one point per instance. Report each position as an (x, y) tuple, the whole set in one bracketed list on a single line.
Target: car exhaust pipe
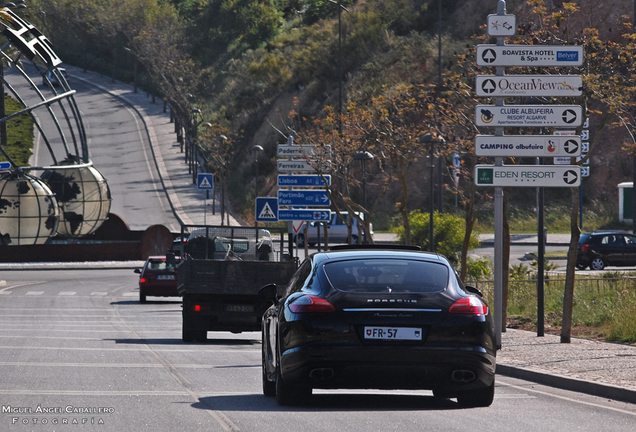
[(322, 374), (463, 376)]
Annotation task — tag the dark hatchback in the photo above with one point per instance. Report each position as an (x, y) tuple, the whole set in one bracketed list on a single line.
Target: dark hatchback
[(155, 279), (598, 250), (365, 318)]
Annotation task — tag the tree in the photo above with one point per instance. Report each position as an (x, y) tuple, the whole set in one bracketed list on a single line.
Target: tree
[(609, 99)]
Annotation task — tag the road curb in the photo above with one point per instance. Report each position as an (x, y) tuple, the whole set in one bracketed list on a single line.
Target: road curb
[(568, 383)]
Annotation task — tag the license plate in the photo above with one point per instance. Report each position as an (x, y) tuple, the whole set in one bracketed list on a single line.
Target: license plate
[(165, 277), (239, 308), (393, 333)]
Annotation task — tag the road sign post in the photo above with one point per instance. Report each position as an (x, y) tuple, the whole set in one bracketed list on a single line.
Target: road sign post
[(305, 215), (529, 115), (529, 85), (267, 209), (529, 55), (528, 145), (205, 181), (528, 175), (306, 197)]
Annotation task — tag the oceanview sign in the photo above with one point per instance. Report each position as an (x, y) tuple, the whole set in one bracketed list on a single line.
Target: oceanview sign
[(529, 55), (529, 115), (529, 85)]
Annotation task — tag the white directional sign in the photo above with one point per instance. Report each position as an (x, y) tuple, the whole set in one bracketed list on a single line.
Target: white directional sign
[(527, 145), (529, 55), (529, 115), (302, 150), (502, 25), (528, 175), (298, 165), (529, 85)]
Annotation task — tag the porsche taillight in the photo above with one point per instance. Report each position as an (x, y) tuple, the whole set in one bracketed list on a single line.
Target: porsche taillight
[(470, 305), (310, 304)]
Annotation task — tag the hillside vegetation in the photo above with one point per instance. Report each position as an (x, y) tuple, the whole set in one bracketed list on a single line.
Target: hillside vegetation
[(260, 69)]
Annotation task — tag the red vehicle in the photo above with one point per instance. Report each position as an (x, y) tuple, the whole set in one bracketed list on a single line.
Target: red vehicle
[(156, 280)]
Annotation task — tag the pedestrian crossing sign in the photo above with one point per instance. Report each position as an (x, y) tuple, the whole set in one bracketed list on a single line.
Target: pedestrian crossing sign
[(266, 209), (205, 181)]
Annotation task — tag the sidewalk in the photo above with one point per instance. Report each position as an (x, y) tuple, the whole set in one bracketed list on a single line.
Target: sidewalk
[(598, 368)]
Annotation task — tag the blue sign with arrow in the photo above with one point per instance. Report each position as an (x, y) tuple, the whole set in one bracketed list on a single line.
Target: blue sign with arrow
[(303, 198), (5, 165), (304, 215), (303, 180)]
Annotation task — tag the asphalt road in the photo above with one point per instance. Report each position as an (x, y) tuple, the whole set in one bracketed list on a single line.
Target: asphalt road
[(81, 339), (118, 147), (79, 352)]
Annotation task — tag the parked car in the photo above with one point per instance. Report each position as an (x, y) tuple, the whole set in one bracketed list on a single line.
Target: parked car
[(376, 317), (155, 279), (598, 250), (337, 231), (52, 76)]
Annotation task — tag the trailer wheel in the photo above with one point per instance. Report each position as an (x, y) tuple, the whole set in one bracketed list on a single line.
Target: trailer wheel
[(193, 330)]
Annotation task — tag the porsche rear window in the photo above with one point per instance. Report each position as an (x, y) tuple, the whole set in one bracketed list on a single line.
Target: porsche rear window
[(387, 275)]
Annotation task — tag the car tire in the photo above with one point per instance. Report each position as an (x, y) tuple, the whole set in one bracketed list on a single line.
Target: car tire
[(269, 387), (300, 240), (142, 297), (581, 266), (597, 263), (290, 394), (477, 398), (354, 240)]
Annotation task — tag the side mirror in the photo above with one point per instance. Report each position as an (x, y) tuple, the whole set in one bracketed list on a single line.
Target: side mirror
[(269, 292), (473, 290)]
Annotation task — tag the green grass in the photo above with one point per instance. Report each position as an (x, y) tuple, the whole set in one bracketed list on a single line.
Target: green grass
[(607, 303), (557, 220), (19, 134)]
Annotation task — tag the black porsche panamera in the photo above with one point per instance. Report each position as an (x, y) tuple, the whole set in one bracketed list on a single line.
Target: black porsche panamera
[(371, 318)]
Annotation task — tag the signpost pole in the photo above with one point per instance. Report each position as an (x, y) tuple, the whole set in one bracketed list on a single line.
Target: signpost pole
[(499, 210), (541, 260)]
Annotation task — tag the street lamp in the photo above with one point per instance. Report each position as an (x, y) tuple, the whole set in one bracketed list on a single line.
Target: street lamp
[(193, 145), (427, 138), (340, 8), (363, 157), (256, 150)]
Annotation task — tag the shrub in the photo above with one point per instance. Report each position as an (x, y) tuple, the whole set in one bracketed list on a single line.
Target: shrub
[(448, 231)]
